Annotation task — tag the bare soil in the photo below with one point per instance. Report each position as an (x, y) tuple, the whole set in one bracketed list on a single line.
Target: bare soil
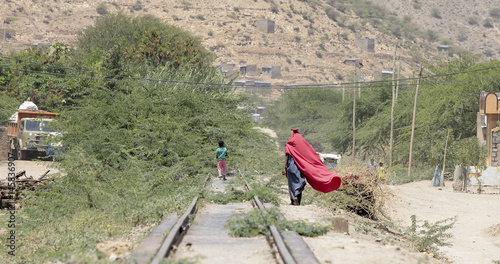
[(33, 168), (476, 234)]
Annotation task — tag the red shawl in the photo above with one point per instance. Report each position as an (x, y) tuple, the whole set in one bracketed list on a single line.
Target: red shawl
[(309, 163)]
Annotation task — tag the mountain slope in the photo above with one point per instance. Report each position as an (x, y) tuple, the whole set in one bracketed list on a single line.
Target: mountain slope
[(471, 24), (312, 39)]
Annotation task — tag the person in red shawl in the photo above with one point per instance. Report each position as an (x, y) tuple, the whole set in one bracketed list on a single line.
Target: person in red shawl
[(302, 162)]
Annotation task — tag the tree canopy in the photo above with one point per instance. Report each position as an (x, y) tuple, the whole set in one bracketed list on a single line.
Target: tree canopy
[(448, 100)]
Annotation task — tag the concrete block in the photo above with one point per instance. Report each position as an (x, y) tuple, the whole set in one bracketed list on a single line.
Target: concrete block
[(340, 225)]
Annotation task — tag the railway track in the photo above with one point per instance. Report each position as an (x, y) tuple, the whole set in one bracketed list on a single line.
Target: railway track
[(200, 235)]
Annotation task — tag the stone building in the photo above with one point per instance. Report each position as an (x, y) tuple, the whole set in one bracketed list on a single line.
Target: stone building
[(365, 44), (266, 26)]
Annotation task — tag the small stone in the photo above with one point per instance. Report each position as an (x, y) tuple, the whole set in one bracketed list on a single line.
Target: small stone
[(378, 240), (113, 257)]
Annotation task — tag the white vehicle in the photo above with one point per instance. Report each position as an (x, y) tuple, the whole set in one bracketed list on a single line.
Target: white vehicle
[(332, 160)]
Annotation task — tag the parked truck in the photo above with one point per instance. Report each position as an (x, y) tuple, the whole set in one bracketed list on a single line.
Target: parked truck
[(28, 130)]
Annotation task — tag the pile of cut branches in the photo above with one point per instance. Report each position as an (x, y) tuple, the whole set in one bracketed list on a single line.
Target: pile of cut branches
[(360, 192), (10, 193)]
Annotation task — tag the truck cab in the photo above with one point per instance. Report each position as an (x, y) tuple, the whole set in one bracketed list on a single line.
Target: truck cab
[(33, 133), (28, 130)]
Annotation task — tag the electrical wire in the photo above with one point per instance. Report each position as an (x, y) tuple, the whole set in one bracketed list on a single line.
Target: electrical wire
[(350, 85)]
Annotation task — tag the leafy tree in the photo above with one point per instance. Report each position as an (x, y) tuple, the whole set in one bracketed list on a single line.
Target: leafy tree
[(35, 76), (125, 42), (8, 106), (134, 149), (313, 111)]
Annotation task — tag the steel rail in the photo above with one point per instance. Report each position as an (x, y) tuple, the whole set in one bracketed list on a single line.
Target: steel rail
[(285, 254), (175, 233)]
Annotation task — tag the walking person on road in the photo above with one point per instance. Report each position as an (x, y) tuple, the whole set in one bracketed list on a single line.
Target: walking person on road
[(221, 154), (302, 162), (296, 180)]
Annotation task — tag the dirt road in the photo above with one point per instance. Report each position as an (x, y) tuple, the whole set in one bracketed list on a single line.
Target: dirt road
[(32, 168), (476, 234), (477, 230)]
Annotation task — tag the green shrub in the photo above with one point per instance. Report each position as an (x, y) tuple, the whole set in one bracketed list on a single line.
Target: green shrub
[(137, 6), (233, 15), (398, 174), (102, 9), (472, 21), (10, 20), (429, 236), (488, 23), (352, 27), (10, 33), (332, 13), (495, 13), (489, 53), (274, 8), (435, 13), (257, 222), (431, 35)]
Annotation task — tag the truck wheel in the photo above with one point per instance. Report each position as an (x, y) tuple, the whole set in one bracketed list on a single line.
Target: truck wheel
[(13, 152), (20, 155)]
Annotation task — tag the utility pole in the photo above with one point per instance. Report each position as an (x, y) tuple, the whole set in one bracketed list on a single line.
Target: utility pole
[(343, 92), (3, 44), (391, 143), (274, 57), (441, 182), (397, 81), (413, 122), (358, 80), (354, 116)]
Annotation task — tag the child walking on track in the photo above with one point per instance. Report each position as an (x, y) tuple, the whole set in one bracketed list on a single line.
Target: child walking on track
[(221, 154)]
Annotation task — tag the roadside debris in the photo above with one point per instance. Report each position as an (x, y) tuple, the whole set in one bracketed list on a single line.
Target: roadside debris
[(9, 196)]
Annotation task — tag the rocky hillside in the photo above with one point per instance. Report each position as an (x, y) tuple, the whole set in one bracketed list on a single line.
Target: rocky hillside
[(311, 41), (471, 24)]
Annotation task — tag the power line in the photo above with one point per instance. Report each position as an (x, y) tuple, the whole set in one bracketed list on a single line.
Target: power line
[(364, 85), (112, 77), (135, 78), (138, 80)]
